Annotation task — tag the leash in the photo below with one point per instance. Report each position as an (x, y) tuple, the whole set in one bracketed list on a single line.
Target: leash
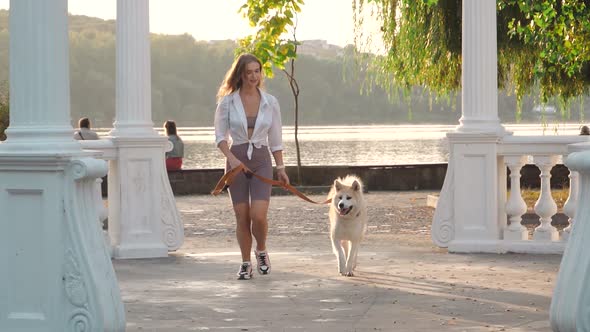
[(228, 178)]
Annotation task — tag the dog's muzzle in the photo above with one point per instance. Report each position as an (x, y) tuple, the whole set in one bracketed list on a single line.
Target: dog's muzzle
[(344, 211)]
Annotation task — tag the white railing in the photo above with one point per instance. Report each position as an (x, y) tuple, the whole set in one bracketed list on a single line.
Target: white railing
[(544, 152), (171, 224), (107, 152)]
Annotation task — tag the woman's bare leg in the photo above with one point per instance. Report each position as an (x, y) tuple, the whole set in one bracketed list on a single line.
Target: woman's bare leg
[(243, 232), (258, 215)]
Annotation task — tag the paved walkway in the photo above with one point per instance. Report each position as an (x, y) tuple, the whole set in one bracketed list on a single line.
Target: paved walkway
[(403, 282)]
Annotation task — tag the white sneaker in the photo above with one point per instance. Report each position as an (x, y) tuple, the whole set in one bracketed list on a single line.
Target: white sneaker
[(263, 262), (245, 271)]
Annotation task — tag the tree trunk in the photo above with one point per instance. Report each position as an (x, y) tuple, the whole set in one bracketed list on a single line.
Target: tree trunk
[(295, 90)]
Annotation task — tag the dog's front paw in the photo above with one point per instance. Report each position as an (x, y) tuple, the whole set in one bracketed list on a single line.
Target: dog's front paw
[(348, 274)]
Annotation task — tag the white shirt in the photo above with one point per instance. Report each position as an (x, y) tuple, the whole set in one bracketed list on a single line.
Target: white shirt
[(230, 121), (85, 134)]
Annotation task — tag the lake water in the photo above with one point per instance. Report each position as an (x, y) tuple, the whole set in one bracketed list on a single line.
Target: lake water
[(354, 145)]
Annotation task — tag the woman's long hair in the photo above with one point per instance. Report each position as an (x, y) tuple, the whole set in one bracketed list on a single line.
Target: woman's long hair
[(170, 127), (233, 77)]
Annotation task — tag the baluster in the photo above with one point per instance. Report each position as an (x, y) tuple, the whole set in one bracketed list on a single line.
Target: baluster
[(516, 206), (571, 205), (545, 206)]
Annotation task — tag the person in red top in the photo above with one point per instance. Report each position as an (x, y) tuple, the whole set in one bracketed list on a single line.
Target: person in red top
[(174, 156)]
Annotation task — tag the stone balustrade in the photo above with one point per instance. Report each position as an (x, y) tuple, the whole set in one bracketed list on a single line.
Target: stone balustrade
[(544, 152), (504, 231), (169, 223)]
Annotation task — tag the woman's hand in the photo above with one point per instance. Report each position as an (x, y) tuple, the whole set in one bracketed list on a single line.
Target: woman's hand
[(233, 162), (282, 175)]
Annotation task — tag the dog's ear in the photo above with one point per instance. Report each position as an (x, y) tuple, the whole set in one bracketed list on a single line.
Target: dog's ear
[(337, 185), (356, 186)]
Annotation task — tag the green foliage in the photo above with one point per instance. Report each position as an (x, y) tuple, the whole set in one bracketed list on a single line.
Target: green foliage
[(421, 47), (542, 46), (560, 32), (273, 18), (4, 110)]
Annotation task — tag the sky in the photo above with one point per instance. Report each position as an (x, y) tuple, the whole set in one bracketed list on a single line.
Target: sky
[(330, 20)]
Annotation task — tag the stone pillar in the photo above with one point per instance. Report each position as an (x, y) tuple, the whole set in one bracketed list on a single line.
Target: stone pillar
[(479, 78), (134, 103), (467, 218), (571, 295), (56, 272), (143, 219), (39, 79)]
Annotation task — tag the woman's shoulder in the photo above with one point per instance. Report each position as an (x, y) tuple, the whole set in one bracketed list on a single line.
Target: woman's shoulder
[(175, 139), (223, 100), (226, 100), (270, 98), (267, 95)]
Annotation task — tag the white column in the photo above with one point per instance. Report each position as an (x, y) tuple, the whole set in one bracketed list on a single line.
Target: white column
[(470, 193), (571, 294), (479, 78), (133, 95), (56, 273), (142, 222), (39, 79)]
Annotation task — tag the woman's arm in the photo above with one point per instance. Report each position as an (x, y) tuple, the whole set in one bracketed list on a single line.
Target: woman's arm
[(275, 140), (231, 158), (281, 173), (221, 123)]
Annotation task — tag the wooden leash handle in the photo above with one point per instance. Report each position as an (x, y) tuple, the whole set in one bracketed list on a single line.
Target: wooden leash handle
[(226, 180), (228, 177)]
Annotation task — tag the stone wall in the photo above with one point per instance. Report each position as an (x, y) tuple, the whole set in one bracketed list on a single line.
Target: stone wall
[(397, 177), (400, 177)]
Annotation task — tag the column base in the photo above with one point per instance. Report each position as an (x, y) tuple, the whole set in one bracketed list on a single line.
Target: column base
[(565, 234), (520, 234), (140, 251), (534, 247), (546, 235), (475, 246), (52, 208), (483, 126)]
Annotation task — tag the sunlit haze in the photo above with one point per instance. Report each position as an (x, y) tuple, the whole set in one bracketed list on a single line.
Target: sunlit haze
[(329, 20)]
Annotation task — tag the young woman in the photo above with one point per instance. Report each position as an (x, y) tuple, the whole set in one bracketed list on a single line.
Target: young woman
[(252, 118), (174, 156)]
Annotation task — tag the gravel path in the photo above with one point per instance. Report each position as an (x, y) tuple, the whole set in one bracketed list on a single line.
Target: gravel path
[(402, 283), (207, 216)]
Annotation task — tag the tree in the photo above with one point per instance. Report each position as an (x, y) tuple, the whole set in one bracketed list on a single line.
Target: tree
[(560, 32), (541, 45), (274, 18)]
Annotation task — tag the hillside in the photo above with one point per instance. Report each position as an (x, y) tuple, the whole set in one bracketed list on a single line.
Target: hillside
[(186, 74)]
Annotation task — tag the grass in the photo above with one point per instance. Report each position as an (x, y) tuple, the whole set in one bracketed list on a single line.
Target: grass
[(531, 196)]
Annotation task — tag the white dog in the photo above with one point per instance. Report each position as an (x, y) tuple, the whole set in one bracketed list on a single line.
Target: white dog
[(348, 221)]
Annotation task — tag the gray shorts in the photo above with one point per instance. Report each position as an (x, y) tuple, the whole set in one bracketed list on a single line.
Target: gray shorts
[(244, 189)]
